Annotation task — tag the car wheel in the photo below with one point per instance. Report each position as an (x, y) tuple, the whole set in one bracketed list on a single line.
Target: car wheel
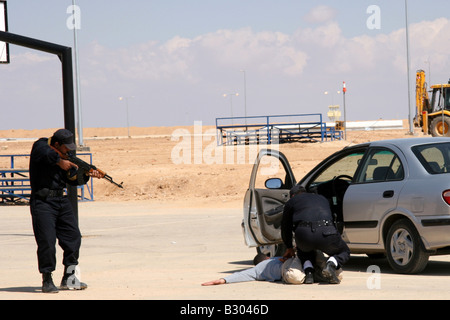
[(440, 127), (404, 249)]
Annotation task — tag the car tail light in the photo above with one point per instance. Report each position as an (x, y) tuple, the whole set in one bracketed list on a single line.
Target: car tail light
[(446, 196)]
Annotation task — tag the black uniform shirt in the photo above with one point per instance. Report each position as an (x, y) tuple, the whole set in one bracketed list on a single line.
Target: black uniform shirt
[(303, 207), (44, 171)]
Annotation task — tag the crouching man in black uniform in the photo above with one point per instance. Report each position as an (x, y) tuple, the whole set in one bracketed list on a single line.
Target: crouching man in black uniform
[(310, 217), (52, 214)]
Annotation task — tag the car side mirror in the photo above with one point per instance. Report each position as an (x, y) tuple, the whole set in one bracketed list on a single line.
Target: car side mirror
[(273, 183)]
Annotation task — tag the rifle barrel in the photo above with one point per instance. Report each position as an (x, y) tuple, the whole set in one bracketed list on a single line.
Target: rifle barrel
[(88, 167)]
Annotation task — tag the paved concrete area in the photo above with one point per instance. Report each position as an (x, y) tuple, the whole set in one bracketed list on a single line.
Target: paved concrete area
[(142, 250)]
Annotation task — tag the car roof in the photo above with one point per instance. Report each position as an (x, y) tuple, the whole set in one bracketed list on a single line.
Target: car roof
[(409, 142)]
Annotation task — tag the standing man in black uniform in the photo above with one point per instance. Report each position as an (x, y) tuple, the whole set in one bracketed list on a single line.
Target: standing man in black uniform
[(52, 214), (310, 217)]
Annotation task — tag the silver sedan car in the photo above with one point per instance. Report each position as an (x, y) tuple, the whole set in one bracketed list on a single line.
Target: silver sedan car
[(389, 198)]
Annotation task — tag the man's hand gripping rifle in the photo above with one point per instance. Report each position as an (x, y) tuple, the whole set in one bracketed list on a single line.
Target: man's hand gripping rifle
[(89, 167)]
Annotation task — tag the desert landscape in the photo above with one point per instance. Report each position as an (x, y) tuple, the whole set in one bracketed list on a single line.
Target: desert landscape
[(147, 162)]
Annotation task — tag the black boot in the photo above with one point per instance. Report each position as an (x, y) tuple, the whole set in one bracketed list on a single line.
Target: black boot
[(329, 272), (70, 281), (309, 276), (47, 283)]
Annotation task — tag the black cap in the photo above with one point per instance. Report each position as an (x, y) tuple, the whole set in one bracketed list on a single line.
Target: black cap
[(64, 136)]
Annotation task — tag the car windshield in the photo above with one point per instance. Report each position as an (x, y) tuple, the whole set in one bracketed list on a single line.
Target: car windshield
[(435, 157), (344, 166)]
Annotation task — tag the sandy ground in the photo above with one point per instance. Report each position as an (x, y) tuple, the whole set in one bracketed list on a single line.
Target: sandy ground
[(176, 225)]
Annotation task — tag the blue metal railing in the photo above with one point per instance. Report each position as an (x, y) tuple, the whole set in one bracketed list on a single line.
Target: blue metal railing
[(15, 182), (288, 127)]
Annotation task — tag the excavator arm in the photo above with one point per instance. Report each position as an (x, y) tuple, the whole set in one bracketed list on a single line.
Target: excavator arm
[(422, 102)]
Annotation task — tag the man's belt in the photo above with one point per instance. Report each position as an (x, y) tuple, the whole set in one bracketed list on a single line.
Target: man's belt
[(49, 193), (314, 224), (55, 193)]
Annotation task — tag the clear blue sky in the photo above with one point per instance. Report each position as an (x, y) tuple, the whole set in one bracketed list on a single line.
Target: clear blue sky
[(177, 59)]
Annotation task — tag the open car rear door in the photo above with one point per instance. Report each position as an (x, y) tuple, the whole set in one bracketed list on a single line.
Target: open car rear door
[(268, 191)]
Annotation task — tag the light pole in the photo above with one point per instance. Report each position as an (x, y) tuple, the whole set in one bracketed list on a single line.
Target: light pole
[(77, 77), (231, 100), (344, 90), (128, 119), (429, 71), (245, 96), (410, 113), (332, 95)]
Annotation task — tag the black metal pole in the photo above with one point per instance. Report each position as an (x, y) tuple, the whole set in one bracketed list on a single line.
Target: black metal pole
[(69, 113), (65, 55)]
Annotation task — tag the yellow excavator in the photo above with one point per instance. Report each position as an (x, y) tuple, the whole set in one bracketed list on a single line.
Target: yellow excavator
[(433, 116)]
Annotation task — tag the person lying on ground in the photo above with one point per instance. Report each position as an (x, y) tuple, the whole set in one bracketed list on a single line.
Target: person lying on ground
[(270, 269)]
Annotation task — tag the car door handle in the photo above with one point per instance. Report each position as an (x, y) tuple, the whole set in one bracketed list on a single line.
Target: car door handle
[(388, 194)]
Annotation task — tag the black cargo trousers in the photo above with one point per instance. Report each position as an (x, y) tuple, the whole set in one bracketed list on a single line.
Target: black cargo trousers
[(326, 238), (53, 218)]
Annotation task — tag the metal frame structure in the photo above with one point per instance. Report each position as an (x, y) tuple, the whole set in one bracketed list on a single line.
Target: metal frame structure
[(274, 129), (65, 55), (5, 28)]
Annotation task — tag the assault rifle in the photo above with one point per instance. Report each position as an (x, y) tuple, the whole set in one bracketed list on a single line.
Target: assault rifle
[(89, 167), (86, 166)]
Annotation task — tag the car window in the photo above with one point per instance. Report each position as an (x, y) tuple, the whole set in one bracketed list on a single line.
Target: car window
[(271, 167), (345, 165), (381, 165), (435, 157)]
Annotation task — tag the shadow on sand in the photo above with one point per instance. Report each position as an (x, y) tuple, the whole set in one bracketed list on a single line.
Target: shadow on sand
[(361, 263), (22, 289)]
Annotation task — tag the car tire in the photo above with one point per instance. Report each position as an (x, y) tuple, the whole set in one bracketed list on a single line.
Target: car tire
[(404, 248)]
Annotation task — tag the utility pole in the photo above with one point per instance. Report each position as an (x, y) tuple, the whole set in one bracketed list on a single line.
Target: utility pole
[(344, 90), (75, 26), (410, 112)]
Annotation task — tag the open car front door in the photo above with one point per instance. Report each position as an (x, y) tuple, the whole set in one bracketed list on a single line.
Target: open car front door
[(268, 191)]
